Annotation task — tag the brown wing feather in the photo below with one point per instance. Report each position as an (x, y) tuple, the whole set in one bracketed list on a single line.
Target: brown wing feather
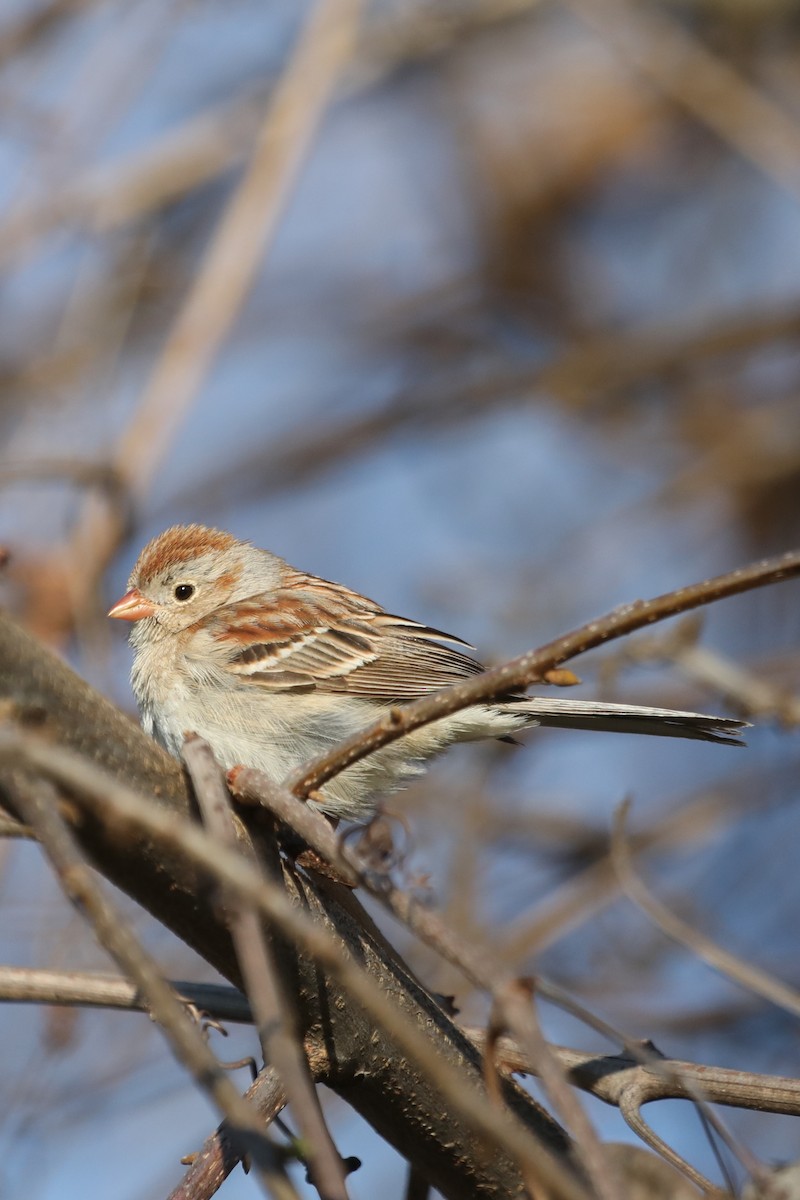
[(410, 665), (316, 635)]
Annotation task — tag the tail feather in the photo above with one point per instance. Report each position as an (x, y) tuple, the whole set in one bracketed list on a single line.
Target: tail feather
[(628, 718)]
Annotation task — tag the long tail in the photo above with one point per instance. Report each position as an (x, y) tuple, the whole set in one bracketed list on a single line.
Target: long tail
[(629, 718)]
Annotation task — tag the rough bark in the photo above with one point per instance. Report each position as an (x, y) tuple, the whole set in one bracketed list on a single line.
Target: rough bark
[(366, 1068)]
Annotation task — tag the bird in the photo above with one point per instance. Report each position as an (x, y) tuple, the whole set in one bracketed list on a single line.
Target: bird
[(274, 666)]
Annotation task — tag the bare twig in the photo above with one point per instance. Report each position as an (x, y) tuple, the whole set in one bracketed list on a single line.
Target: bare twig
[(653, 1077), (630, 1111), (219, 1155), (752, 694), (514, 1010), (217, 1158), (391, 1091), (29, 985), (476, 962), (745, 974), (255, 787), (592, 889), (110, 195), (701, 82), (264, 987), (227, 273), (645, 1052), (607, 1077), (586, 374), (604, 1076), (39, 805), (525, 670), (746, 688), (110, 801)]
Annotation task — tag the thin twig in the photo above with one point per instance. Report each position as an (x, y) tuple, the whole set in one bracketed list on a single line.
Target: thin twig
[(79, 776), (647, 1053), (590, 890), (514, 1011), (652, 1077), (530, 667), (752, 978), (745, 687), (608, 1076), (218, 1155), (39, 805), (31, 985), (701, 82), (130, 187), (757, 980), (255, 787), (476, 962), (630, 1111), (110, 801), (604, 1076), (271, 1006), (232, 261), (587, 374)]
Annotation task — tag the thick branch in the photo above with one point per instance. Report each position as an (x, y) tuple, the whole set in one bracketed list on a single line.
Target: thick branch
[(38, 804), (367, 1068)]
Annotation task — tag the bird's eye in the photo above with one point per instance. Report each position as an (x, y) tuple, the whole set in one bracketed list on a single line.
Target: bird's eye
[(184, 591)]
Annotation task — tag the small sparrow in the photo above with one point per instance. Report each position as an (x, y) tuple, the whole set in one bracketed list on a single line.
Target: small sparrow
[(272, 667)]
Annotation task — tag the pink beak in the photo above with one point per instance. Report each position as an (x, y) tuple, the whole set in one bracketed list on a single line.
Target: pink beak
[(132, 607)]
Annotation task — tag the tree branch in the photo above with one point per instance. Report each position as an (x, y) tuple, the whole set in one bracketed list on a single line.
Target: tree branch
[(38, 805), (265, 988), (748, 976), (31, 985), (369, 1069), (530, 667)]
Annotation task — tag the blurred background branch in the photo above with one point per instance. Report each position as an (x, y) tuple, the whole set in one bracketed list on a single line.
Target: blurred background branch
[(490, 309)]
